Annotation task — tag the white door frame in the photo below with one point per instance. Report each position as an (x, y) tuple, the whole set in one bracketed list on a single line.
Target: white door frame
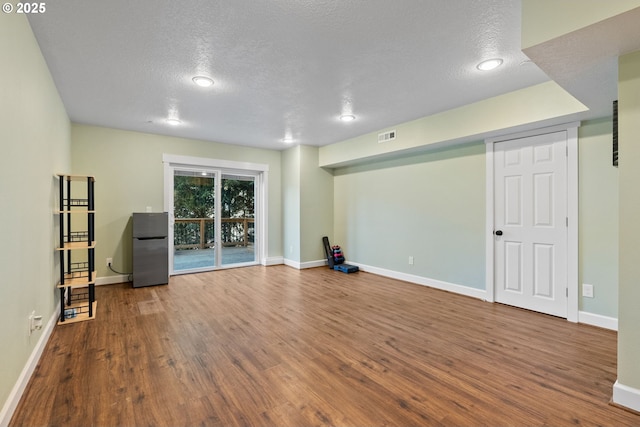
[(259, 170), (572, 211)]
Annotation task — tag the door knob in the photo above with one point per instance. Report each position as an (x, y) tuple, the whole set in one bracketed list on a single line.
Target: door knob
[(498, 232)]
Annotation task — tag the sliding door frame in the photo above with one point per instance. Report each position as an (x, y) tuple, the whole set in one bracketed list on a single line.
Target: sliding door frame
[(258, 170)]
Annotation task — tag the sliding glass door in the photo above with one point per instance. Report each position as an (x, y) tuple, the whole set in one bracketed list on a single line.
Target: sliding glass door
[(213, 218), (237, 219), (194, 213)]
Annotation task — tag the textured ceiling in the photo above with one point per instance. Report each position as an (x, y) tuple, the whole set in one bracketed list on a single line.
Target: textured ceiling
[(281, 67)]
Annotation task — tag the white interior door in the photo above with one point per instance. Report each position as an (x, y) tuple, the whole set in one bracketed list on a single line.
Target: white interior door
[(530, 220)]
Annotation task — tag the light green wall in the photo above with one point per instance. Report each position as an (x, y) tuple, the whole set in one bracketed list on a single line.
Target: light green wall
[(430, 206), (316, 205), (34, 133), (307, 204), (291, 203), (129, 177), (629, 252), (598, 221), (544, 20)]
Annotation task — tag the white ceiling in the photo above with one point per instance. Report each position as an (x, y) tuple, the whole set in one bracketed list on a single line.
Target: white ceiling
[(281, 67)]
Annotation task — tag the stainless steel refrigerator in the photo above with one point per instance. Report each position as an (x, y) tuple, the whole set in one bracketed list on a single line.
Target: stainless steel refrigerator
[(150, 249)]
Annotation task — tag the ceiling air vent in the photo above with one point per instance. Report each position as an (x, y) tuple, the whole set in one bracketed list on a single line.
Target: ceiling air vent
[(387, 136)]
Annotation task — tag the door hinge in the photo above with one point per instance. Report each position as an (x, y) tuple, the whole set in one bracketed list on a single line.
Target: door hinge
[(567, 291), (567, 221)]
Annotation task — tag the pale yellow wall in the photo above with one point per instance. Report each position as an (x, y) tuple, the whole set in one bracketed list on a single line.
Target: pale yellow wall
[(629, 253), (544, 20), (535, 104), (34, 135), (129, 177)]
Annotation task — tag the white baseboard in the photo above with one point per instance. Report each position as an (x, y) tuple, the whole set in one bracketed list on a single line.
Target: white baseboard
[(313, 264), (419, 280), (303, 265), (112, 280), (598, 320), (626, 396), (12, 401), (273, 261), (291, 263)]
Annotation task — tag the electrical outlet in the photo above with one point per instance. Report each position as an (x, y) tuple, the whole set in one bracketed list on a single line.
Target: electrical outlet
[(109, 261), (587, 290), (35, 322), (410, 260)]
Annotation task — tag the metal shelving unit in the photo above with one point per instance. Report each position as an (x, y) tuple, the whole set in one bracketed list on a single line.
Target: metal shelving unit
[(77, 250)]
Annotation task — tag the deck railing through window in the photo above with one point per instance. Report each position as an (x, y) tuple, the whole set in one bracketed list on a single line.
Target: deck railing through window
[(199, 233)]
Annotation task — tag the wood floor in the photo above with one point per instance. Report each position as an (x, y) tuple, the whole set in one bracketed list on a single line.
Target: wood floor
[(274, 346)]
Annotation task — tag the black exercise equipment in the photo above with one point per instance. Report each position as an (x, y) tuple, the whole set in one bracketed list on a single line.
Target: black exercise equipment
[(335, 259)]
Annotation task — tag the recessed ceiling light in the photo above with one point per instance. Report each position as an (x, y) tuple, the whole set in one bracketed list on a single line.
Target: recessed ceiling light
[(202, 81), (347, 117), (287, 140), (173, 122), (489, 64)]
